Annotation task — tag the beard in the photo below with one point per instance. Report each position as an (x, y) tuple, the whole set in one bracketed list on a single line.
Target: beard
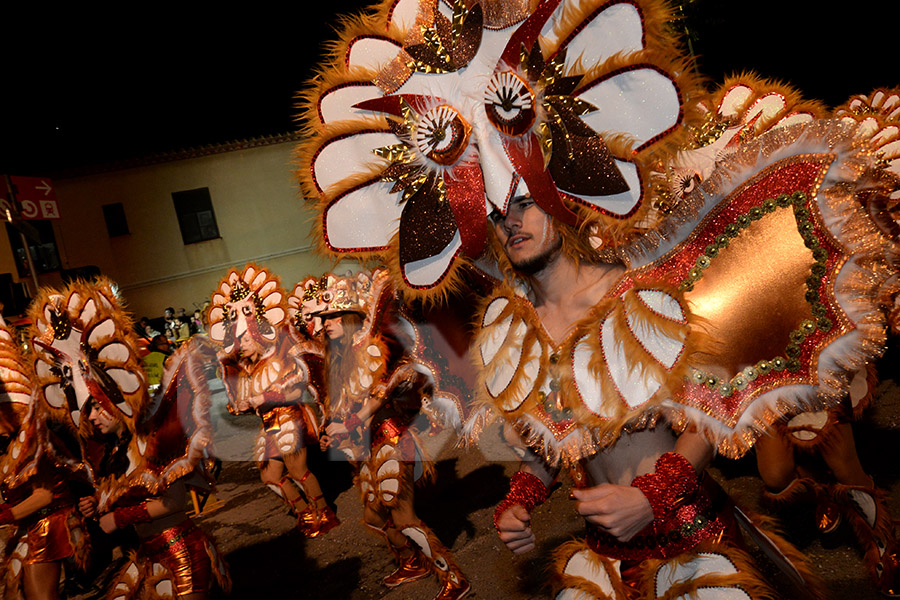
[(537, 263)]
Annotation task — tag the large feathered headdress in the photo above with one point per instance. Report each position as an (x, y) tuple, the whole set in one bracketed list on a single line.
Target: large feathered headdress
[(431, 115), (85, 348)]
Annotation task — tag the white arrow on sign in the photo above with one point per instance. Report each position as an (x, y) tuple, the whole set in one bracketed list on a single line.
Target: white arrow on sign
[(44, 186)]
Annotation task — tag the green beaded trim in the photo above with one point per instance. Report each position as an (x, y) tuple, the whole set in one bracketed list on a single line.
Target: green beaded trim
[(798, 201)]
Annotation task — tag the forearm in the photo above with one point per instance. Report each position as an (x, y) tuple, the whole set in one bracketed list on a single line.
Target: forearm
[(38, 499), (533, 465), (696, 449), (530, 485)]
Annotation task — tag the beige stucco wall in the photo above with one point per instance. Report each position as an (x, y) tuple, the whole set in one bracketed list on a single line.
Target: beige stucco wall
[(258, 210)]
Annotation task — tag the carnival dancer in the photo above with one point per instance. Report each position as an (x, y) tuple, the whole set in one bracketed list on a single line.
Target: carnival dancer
[(787, 466), (266, 370), (38, 496), (650, 511), (375, 393), (140, 455), (624, 318)]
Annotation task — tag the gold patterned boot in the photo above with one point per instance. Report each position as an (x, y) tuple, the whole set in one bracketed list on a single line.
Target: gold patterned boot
[(323, 519), (412, 568), (454, 584)]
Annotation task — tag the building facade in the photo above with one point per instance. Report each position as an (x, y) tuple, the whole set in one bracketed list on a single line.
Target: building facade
[(166, 229)]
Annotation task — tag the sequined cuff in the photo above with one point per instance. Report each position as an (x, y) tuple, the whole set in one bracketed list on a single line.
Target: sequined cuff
[(526, 490), (674, 480), (129, 515), (6, 516), (352, 423)]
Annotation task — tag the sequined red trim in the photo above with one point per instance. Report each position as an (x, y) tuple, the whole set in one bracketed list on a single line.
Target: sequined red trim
[(129, 515), (526, 490), (686, 522), (387, 430), (674, 480)]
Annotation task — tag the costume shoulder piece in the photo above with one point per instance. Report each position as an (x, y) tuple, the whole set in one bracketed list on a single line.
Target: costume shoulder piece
[(430, 114), (772, 263), (85, 349), (784, 269), (610, 375)]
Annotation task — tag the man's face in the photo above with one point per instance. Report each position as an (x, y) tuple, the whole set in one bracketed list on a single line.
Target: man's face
[(334, 328), (527, 234)]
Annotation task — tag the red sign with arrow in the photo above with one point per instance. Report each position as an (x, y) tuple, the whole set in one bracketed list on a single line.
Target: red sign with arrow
[(36, 196)]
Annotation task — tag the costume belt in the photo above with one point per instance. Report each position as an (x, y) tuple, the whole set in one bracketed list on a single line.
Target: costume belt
[(171, 539), (55, 505), (691, 521)]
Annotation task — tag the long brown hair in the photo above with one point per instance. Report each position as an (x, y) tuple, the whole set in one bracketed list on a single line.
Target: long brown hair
[(338, 349)]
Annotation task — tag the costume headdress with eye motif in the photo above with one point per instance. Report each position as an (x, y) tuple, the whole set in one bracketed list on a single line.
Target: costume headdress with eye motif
[(347, 293), (249, 301), (85, 348), (430, 115), (304, 305)]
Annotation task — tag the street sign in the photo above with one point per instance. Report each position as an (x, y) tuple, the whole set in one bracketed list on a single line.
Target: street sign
[(36, 196)]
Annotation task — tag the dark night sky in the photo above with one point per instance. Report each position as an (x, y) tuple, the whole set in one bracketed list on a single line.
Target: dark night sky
[(82, 89)]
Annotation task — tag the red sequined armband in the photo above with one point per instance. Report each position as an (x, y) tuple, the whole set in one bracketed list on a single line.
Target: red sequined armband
[(674, 480), (526, 490), (352, 423), (129, 515), (6, 516)]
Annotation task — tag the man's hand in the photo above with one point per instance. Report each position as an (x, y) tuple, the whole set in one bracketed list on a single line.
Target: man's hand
[(87, 505), (620, 510), (514, 527), (336, 430), (108, 523)]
